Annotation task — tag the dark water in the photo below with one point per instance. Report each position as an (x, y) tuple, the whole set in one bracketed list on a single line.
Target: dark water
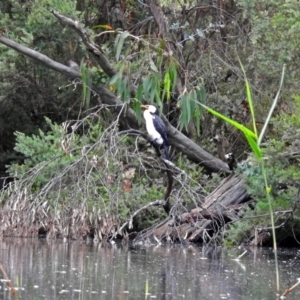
[(56, 270)]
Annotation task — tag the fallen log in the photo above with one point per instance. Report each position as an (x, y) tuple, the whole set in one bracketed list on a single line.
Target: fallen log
[(202, 223)]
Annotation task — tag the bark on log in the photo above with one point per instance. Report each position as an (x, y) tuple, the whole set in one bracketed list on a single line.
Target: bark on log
[(202, 223), (231, 191)]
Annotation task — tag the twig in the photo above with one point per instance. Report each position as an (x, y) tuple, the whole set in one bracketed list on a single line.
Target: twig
[(287, 291), (238, 258), (8, 281), (92, 47), (153, 203)]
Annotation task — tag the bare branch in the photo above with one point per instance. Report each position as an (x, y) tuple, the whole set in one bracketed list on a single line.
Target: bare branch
[(193, 151), (92, 47), (153, 203), (45, 60), (159, 17)]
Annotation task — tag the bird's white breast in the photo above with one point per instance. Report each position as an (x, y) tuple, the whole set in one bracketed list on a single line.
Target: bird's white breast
[(154, 135)]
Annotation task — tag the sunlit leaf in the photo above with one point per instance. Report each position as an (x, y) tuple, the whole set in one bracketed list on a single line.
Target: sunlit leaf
[(114, 79), (167, 85), (191, 37), (173, 75), (237, 125), (106, 27), (254, 146)]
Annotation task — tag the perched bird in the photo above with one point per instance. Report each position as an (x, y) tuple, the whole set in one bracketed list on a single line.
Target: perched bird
[(156, 129), (230, 159)]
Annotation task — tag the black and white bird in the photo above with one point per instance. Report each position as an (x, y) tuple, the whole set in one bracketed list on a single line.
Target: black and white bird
[(230, 159), (156, 130)]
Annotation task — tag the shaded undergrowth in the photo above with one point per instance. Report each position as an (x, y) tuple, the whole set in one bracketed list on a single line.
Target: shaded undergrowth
[(82, 179)]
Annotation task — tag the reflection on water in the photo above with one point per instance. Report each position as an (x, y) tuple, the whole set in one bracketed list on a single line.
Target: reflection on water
[(56, 270)]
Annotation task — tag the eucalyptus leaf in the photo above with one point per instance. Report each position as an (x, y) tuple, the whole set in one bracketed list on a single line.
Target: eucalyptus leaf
[(120, 42), (200, 33)]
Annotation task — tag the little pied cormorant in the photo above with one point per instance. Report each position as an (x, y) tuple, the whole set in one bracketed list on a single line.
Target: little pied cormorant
[(156, 129)]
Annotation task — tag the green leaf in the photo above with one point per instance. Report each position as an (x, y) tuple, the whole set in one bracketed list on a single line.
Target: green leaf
[(237, 125), (173, 75), (167, 86), (272, 107), (197, 116), (183, 119), (147, 85), (119, 42), (249, 97), (254, 146), (201, 94), (153, 66), (139, 93), (114, 79)]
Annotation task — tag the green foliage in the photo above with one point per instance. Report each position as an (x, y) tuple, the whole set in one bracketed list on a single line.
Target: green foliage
[(275, 37), (191, 104), (45, 151), (30, 91), (281, 164), (61, 158), (119, 42), (254, 142), (119, 83), (238, 233), (158, 85)]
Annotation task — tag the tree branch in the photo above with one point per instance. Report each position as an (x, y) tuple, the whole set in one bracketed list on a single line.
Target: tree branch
[(193, 151), (45, 60), (94, 49), (129, 222)]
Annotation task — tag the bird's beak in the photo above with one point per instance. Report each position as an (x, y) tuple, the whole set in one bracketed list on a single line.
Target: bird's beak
[(144, 106)]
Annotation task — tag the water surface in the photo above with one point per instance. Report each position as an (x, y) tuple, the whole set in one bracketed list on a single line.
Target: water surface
[(42, 269)]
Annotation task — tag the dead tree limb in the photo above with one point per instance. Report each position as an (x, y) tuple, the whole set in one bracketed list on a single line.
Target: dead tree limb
[(178, 140), (93, 48), (129, 222), (204, 222)]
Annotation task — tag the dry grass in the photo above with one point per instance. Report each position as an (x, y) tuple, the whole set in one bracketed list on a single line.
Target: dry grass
[(96, 192)]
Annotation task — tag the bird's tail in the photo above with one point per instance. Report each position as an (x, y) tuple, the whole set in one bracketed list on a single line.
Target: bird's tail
[(166, 149), (156, 147)]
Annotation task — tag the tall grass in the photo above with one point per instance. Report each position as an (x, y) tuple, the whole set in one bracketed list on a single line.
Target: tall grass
[(254, 141)]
